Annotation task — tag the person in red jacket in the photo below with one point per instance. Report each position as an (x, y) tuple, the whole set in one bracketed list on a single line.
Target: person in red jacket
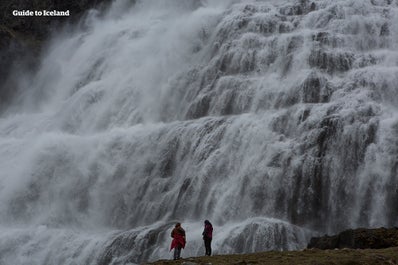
[(178, 242), (207, 236)]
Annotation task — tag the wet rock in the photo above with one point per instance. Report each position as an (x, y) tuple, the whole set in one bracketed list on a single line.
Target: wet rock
[(384, 30), (302, 7), (125, 246), (331, 62), (359, 238), (313, 89)]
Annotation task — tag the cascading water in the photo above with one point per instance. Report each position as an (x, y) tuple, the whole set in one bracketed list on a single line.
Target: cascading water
[(276, 120)]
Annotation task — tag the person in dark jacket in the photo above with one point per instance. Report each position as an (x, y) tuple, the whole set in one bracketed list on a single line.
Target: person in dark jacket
[(207, 236), (178, 242)]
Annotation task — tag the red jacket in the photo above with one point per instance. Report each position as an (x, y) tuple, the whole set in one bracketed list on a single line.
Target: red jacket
[(178, 235)]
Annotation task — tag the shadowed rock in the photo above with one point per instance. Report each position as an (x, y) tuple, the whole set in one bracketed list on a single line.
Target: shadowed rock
[(359, 238), (21, 37)]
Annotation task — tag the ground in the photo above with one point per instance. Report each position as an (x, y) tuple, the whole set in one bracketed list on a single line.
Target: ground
[(306, 256)]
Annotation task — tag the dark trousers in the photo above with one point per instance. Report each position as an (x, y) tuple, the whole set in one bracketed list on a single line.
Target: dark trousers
[(177, 252), (208, 246)]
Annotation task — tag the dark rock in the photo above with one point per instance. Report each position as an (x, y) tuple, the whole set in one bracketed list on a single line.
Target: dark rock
[(21, 37), (297, 9), (38, 27), (359, 238), (384, 30), (331, 62), (313, 89)]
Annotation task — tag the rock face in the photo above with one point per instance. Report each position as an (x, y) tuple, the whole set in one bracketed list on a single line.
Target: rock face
[(38, 26), (21, 36), (359, 238)]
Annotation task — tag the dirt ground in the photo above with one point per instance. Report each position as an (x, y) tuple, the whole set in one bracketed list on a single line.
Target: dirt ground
[(307, 256)]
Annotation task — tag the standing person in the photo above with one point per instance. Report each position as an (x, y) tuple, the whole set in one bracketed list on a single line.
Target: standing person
[(207, 236), (178, 235)]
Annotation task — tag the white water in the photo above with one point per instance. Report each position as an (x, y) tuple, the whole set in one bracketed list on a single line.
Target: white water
[(274, 121)]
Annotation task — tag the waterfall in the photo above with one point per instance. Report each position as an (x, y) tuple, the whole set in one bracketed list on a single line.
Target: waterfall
[(275, 120)]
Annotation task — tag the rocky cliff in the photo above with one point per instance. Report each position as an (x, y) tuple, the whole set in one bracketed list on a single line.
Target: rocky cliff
[(30, 30), (21, 36)]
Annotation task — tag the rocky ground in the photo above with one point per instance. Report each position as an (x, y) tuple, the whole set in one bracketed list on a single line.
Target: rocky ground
[(306, 256), (351, 247)]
